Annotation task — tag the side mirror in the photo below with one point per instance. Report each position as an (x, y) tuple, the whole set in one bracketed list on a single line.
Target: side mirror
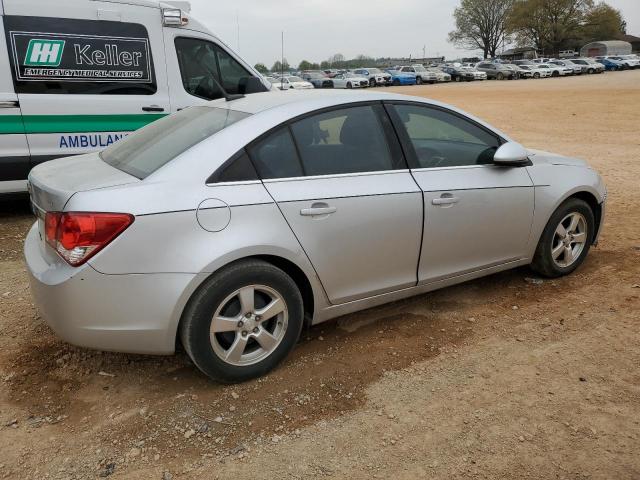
[(511, 154)]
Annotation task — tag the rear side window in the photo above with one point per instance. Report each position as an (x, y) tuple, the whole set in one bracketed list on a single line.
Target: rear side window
[(275, 156), (348, 140), (146, 150), (203, 65), (70, 56)]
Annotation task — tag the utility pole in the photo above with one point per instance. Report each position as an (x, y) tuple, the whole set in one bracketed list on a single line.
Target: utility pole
[(282, 56), (424, 52), (238, 28)]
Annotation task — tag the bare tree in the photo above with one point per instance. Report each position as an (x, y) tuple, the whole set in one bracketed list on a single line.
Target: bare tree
[(481, 24)]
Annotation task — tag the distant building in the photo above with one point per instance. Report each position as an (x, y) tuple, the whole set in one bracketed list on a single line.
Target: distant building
[(520, 53), (609, 47), (633, 40)]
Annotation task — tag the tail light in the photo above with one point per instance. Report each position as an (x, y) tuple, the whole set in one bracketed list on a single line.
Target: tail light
[(77, 236)]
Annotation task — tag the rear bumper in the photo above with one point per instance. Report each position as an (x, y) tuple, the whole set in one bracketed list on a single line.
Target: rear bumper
[(123, 313)]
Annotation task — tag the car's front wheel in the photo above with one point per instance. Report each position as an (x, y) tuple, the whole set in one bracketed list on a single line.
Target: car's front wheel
[(566, 239), (242, 321)]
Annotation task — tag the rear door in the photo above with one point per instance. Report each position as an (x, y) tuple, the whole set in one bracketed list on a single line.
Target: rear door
[(340, 180), (86, 73), (477, 215), (14, 152)]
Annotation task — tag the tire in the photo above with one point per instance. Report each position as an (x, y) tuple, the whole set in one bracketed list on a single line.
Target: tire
[(373, 83), (349, 85), (396, 83), (551, 265), (499, 76), (536, 75), (418, 80), (219, 297), (458, 79), (555, 73), (591, 71)]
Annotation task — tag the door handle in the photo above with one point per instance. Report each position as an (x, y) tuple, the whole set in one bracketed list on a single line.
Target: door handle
[(317, 210), (445, 199), (9, 104), (153, 108)]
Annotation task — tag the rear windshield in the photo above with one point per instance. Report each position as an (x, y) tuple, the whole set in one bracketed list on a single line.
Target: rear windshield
[(145, 151)]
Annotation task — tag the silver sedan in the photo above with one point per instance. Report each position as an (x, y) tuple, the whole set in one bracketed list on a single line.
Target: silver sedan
[(229, 227)]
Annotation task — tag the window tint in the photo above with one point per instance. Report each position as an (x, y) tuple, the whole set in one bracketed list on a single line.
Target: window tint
[(146, 150), (275, 156), (443, 139), (203, 63), (238, 169), (71, 56), (348, 140)]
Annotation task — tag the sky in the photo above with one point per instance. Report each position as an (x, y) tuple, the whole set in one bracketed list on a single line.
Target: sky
[(314, 30)]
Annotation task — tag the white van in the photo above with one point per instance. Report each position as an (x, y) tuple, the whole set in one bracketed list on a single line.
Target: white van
[(77, 75)]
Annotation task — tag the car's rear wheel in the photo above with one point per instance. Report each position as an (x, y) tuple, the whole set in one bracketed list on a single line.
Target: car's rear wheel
[(566, 239), (536, 75), (242, 321), (418, 80), (372, 82), (500, 76), (396, 82), (591, 71), (349, 85)]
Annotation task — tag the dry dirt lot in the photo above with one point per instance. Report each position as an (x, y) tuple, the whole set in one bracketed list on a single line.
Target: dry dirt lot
[(496, 378)]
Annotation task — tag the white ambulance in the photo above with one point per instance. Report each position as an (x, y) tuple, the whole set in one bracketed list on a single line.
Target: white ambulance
[(77, 75)]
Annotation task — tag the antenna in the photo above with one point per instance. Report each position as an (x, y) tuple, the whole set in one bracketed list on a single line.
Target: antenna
[(282, 57), (238, 27)]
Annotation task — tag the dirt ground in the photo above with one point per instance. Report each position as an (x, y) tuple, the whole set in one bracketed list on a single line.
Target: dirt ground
[(497, 378)]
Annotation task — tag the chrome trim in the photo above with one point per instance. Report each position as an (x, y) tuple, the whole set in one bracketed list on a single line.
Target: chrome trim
[(237, 183), (336, 175)]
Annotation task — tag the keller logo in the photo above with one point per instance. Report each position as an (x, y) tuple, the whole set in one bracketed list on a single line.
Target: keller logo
[(44, 53)]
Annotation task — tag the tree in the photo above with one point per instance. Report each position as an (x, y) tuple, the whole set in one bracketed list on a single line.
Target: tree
[(551, 25), (603, 22), (261, 67), (305, 65), (280, 66), (481, 24)]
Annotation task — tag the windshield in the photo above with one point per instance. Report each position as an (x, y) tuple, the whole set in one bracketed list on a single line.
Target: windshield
[(295, 79), (418, 68), (143, 152), (374, 70)]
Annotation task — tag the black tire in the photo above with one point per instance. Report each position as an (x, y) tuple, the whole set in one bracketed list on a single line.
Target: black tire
[(197, 318), (500, 76), (373, 83), (543, 262), (418, 80), (591, 71), (396, 83), (536, 75), (555, 73), (349, 85), (457, 79)]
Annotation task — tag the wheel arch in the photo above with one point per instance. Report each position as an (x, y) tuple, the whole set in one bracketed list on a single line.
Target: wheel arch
[(310, 288), (596, 208)]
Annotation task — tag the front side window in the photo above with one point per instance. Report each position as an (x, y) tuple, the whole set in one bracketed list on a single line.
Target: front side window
[(204, 66), (443, 139), (348, 140), (146, 150)]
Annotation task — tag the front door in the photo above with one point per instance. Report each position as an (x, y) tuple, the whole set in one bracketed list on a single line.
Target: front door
[(477, 215), (85, 75), (343, 187)]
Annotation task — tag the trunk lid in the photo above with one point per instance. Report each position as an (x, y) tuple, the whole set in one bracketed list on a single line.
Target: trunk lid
[(52, 184)]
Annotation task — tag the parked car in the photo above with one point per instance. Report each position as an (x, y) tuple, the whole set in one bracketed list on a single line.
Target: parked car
[(521, 73), (375, 76), (496, 71), (589, 65), (350, 80), (536, 71), (402, 78), (556, 70), (292, 82), (73, 81), (312, 216), (611, 65), (317, 79), (629, 61), (422, 74), (467, 74), (441, 76), (577, 69)]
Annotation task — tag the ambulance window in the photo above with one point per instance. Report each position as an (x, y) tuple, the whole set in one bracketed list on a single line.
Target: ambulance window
[(204, 66), (71, 56)]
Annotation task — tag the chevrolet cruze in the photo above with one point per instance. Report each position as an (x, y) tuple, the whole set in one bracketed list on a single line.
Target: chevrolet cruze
[(229, 227)]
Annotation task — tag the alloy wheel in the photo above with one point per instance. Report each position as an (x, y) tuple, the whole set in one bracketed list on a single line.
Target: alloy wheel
[(248, 325), (569, 240)]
